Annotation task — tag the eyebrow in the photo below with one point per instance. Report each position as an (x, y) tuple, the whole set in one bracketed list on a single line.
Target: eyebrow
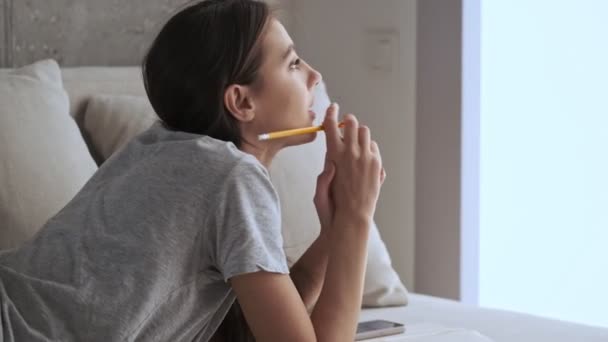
[(289, 50)]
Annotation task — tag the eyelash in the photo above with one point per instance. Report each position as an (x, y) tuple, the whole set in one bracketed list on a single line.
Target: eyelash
[(295, 64)]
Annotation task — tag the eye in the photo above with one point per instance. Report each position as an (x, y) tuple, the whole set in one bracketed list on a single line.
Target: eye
[(295, 64)]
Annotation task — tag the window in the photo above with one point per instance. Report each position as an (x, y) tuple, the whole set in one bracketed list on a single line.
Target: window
[(543, 158)]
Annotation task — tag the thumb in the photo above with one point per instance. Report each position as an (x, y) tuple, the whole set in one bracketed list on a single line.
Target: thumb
[(325, 178), (329, 171)]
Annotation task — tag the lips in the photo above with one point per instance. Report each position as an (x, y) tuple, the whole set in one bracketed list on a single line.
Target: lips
[(310, 111), (313, 115)]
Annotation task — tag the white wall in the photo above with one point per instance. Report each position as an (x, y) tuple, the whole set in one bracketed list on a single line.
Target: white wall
[(282, 8), (544, 166), (335, 36)]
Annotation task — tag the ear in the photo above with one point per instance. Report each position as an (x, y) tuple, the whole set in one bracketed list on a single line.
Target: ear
[(239, 102)]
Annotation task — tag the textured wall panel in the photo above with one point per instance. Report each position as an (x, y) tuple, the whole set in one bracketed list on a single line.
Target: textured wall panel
[(5, 20), (87, 32), (2, 34)]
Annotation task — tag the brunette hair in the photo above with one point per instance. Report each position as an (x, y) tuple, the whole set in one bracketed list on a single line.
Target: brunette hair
[(199, 52)]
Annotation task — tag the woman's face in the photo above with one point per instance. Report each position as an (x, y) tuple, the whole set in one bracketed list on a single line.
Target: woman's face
[(285, 94)]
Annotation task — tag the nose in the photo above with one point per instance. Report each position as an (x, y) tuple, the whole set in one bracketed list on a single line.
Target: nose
[(314, 77)]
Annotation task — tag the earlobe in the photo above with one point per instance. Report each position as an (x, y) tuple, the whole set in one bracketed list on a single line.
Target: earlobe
[(239, 103)]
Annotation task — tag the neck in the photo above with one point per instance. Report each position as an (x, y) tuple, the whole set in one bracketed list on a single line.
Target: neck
[(264, 151)]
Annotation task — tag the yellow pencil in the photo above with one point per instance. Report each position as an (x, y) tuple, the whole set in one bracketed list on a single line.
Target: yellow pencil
[(291, 132)]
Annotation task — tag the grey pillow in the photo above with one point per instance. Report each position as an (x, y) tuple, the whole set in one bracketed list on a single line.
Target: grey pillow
[(112, 120)]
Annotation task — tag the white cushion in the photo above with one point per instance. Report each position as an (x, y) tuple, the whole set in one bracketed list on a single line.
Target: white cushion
[(111, 120), (44, 160), (294, 173), (383, 287)]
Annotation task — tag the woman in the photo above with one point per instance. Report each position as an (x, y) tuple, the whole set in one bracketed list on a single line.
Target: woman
[(183, 221)]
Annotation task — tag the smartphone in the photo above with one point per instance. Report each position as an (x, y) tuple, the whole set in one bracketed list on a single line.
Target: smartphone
[(377, 328)]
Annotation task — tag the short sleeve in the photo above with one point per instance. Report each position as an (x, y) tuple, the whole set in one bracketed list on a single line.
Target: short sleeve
[(247, 223)]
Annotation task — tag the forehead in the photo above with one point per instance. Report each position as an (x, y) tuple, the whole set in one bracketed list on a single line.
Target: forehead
[(276, 41)]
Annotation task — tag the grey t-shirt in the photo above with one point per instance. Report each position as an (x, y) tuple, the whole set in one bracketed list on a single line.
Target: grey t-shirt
[(145, 250)]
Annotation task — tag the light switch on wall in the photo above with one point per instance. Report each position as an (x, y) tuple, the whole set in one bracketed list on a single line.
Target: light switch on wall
[(380, 49)]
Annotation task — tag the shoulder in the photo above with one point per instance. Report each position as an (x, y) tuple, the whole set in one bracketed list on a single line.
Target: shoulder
[(189, 151), (203, 159), (247, 176)]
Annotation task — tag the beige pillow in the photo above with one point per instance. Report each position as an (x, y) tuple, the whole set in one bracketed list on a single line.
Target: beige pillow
[(111, 120), (44, 160)]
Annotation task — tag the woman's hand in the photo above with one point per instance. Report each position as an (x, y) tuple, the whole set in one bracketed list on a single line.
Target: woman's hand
[(323, 199), (358, 175)]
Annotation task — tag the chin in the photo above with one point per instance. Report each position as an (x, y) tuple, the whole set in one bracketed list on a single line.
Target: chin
[(301, 139)]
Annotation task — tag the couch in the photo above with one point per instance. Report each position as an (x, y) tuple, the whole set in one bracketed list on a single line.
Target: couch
[(58, 125)]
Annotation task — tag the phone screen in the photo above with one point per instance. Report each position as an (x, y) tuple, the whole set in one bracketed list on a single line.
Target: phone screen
[(376, 325)]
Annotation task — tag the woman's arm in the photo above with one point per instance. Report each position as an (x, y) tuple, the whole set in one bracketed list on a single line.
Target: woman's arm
[(271, 303), (308, 273), (274, 310)]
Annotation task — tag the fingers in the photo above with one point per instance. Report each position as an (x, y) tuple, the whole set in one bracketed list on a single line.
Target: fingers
[(327, 175), (330, 126), (324, 182), (351, 127), (376, 152), (364, 138), (368, 145), (329, 171)]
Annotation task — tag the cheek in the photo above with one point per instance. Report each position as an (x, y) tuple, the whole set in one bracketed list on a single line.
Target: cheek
[(284, 102), (287, 98), (297, 95)]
